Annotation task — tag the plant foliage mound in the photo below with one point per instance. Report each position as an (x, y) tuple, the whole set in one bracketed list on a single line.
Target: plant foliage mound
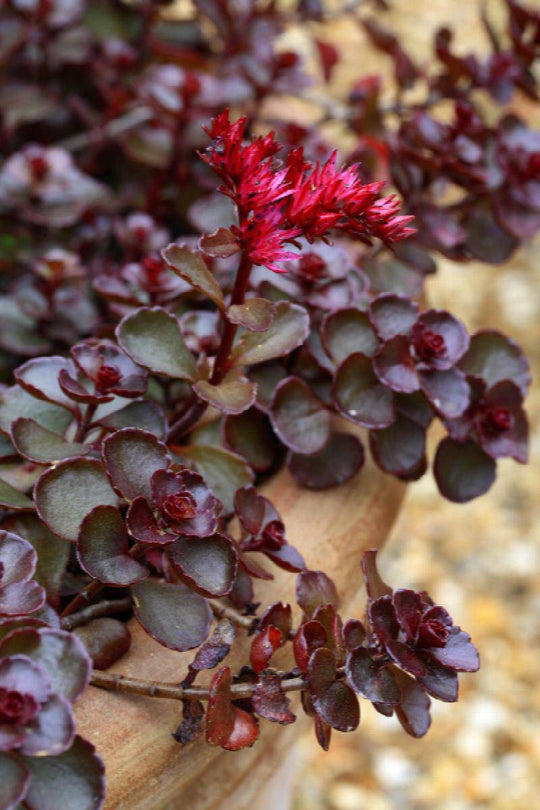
[(192, 291)]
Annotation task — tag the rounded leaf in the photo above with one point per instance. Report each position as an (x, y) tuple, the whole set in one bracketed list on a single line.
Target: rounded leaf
[(230, 396), (74, 779), (14, 781), (400, 448), (395, 366), (255, 315), (41, 445), (346, 332), (315, 588), (462, 470), (338, 461), (208, 564), (448, 391), (287, 331), (102, 549), (153, 338), (392, 315), (172, 614), (58, 653), (299, 418), (131, 457), (251, 435), (65, 494), (192, 268), (360, 396), (494, 357)]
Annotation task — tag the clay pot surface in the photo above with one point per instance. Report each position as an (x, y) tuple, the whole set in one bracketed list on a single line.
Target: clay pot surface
[(146, 768)]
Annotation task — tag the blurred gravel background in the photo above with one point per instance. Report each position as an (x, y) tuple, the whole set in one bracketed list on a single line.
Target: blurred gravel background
[(481, 560)]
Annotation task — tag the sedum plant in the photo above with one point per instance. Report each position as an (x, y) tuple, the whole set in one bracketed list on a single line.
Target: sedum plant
[(149, 384)]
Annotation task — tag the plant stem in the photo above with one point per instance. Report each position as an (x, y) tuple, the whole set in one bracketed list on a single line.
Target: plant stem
[(83, 598), (195, 408), (82, 430), (172, 691), (223, 611), (106, 608), (112, 129), (229, 329)]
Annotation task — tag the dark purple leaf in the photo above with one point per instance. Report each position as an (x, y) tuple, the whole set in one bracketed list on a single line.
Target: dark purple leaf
[(371, 679), (333, 699), (314, 588), (172, 614), (66, 493), (413, 708), (398, 449), (462, 470), (346, 332), (216, 648), (392, 315), (299, 418), (458, 653), (448, 391), (131, 457), (207, 564), (441, 682), (102, 549), (359, 395), (336, 463), (250, 434), (270, 702), (493, 357), (58, 653), (375, 586)]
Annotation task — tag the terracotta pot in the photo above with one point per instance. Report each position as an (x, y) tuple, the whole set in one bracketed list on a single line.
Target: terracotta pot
[(146, 768)]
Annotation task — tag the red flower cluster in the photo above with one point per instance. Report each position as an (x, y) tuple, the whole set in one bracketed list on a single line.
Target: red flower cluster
[(279, 202)]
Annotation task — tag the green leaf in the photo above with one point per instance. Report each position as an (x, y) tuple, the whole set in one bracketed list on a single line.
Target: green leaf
[(58, 652), (39, 444), (255, 315), (53, 553), (153, 338), (12, 498), (193, 269), (16, 403), (14, 780), (288, 330), (39, 377), (102, 549), (172, 614), (74, 779), (299, 419), (232, 395), (223, 471), (131, 457), (65, 494)]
